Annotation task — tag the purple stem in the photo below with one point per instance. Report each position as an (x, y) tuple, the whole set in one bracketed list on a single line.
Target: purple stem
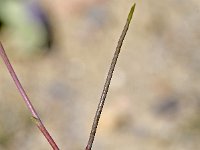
[(35, 116)]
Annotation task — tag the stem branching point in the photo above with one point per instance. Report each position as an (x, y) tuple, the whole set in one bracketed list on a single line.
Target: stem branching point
[(20, 88)]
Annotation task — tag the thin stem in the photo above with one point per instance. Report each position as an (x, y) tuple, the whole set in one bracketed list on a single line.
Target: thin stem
[(108, 80), (35, 116)]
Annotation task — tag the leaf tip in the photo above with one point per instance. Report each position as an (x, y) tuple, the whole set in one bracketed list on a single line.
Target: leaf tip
[(131, 12)]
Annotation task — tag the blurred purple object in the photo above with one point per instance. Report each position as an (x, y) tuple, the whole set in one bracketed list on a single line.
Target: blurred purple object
[(38, 14)]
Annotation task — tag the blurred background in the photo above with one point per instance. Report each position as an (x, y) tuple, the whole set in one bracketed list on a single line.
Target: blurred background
[(61, 51)]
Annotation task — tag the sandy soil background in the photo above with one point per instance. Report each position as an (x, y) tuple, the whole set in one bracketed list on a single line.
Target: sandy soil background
[(153, 102)]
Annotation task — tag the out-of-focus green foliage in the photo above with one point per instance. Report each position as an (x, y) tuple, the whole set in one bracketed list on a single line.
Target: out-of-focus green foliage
[(21, 28)]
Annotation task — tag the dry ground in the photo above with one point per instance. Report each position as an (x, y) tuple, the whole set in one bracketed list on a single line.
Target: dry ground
[(153, 102)]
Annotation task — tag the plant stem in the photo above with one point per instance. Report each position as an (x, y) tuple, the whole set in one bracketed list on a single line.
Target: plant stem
[(108, 80), (35, 116)]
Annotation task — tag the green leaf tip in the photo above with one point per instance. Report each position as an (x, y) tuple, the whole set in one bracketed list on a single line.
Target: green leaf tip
[(130, 15)]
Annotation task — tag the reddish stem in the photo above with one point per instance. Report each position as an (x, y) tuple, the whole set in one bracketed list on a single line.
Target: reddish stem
[(35, 116)]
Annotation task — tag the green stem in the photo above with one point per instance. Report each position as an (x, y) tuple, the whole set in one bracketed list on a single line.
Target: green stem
[(108, 80)]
